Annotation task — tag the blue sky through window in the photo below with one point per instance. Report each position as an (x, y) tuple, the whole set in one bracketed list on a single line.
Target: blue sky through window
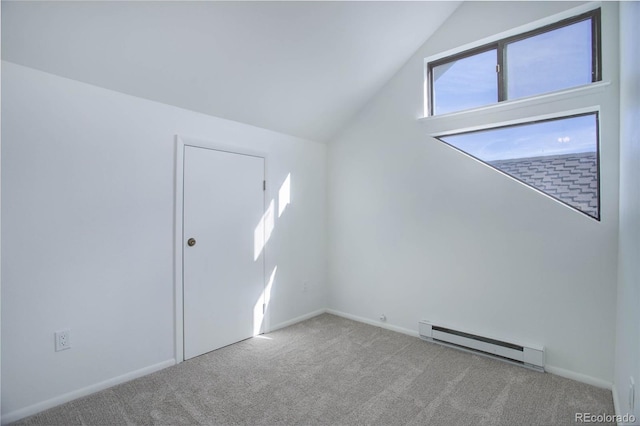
[(550, 61), (466, 83), (554, 60), (556, 137), (558, 156)]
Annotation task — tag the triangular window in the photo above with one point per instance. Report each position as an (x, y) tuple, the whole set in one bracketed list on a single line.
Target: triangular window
[(558, 157)]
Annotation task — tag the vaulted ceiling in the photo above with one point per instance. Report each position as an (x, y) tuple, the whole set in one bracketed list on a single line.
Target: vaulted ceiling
[(301, 68)]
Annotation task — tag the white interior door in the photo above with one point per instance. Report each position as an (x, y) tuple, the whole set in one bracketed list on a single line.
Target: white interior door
[(223, 282)]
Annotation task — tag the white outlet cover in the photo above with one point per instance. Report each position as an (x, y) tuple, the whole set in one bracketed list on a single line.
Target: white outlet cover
[(62, 340)]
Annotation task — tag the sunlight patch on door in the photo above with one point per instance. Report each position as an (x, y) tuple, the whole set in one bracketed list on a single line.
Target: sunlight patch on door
[(258, 311), (262, 231)]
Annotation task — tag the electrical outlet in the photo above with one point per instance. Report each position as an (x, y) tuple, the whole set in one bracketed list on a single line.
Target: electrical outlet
[(632, 393), (305, 287), (63, 339)]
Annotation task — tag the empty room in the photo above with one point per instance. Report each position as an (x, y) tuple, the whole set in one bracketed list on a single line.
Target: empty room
[(301, 212)]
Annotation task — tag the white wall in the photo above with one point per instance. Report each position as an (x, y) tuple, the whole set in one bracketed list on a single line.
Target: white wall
[(420, 231), (628, 321), (87, 232)]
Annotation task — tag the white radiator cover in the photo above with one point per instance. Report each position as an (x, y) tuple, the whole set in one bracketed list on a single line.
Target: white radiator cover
[(527, 356)]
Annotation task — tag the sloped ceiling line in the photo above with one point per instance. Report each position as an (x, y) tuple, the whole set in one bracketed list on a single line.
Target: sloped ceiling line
[(300, 68)]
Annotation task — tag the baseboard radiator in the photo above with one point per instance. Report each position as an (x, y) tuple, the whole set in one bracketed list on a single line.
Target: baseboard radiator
[(514, 353)]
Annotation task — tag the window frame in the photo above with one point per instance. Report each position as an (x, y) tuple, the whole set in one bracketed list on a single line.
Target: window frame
[(595, 113), (500, 47)]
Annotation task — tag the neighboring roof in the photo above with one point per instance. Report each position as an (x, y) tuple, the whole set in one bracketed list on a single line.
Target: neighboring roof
[(571, 178)]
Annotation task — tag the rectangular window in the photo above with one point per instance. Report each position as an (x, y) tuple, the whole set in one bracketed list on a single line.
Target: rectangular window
[(558, 157), (556, 57)]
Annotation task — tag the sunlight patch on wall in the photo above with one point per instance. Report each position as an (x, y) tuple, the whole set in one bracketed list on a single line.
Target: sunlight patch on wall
[(284, 195)]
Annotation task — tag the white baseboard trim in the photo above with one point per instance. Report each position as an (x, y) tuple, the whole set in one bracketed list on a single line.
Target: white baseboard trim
[(616, 403), (375, 323), (50, 403), (624, 415), (296, 320), (578, 377)]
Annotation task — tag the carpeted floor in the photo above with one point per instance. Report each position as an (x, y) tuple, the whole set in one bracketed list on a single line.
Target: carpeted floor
[(329, 370)]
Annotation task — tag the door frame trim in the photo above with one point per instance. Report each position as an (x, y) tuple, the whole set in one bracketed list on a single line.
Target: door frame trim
[(178, 222)]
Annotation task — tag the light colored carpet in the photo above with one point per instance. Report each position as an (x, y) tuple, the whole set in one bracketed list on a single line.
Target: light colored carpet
[(329, 370)]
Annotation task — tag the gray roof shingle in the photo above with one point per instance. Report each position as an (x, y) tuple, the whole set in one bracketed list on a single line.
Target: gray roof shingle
[(571, 178)]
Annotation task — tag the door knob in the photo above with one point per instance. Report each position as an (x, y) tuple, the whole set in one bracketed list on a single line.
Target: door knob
[(191, 242)]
